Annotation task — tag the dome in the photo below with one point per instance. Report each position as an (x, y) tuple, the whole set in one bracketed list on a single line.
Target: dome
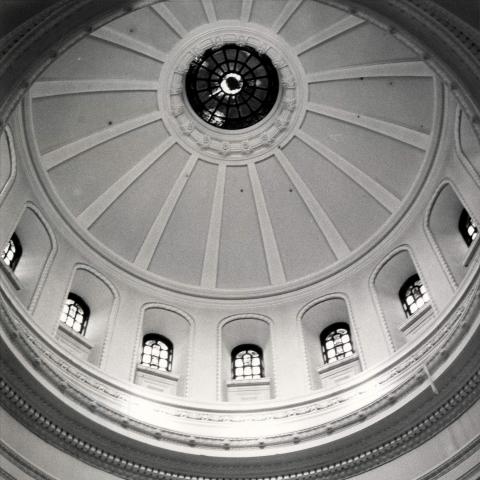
[(341, 152), (240, 241)]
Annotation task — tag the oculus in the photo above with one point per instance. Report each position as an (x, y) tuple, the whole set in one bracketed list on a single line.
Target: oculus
[(232, 87)]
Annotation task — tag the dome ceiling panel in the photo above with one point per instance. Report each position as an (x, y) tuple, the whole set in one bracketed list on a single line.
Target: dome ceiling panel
[(470, 145), (129, 210), (227, 9), (266, 12), (143, 27), (286, 198), (5, 159), (404, 101), (88, 113), (188, 14), (391, 163), (355, 213), (363, 45), (289, 216), (86, 60), (83, 179), (308, 20), (241, 257), (181, 258)]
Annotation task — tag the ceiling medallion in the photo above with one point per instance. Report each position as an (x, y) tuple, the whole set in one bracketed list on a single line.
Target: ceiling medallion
[(232, 93)]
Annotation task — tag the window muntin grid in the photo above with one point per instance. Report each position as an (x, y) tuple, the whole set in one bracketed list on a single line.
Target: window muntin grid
[(247, 362), (468, 228), (232, 87), (157, 353), (413, 295), (75, 314), (12, 252), (336, 343)]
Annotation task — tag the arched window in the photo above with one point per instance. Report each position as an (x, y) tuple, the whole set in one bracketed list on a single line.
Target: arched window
[(468, 228), (413, 295), (247, 362), (12, 252), (336, 342), (157, 352), (75, 314)]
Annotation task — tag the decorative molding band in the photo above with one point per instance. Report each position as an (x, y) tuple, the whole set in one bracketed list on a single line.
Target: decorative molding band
[(461, 31), (128, 467), (89, 390), (215, 145)]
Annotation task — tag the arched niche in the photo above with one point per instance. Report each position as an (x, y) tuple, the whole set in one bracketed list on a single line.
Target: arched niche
[(443, 228), (387, 281), (7, 161), (315, 318), (246, 330), (101, 299), (176, 327), (38, 249)]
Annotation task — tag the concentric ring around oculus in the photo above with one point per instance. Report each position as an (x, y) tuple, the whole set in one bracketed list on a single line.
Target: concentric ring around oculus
[(232, 87)]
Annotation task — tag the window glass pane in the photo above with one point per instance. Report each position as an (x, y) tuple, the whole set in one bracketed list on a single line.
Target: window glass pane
[(160, 352), (246, 363), (335, 341), (413, 295), (11, 252)]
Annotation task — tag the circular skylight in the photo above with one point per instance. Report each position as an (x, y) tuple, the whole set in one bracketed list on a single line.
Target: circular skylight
[(232, 87)]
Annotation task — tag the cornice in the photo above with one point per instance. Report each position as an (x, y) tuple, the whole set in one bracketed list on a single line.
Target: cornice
[(451, 43), (129, 466)]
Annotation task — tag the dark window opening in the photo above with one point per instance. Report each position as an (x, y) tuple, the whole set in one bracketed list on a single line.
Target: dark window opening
[(413, 295), (157, 352), (247, 362), (468, 228), (75, 314), (336, 342), (12, 252)]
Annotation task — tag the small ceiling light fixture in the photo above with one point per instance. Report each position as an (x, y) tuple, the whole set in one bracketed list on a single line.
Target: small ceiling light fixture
[(232, 87)]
